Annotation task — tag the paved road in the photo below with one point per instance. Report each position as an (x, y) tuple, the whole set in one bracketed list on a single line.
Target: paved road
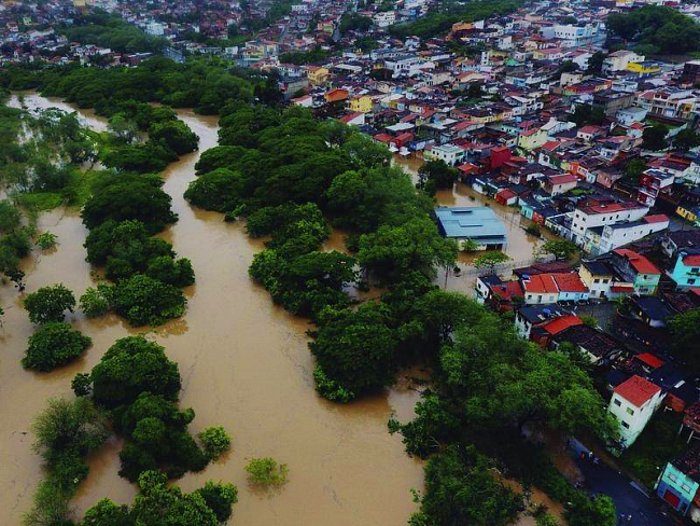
[(645, 511)]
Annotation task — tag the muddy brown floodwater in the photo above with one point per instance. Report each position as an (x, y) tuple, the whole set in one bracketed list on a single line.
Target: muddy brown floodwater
[(520, 245), (244, 364)]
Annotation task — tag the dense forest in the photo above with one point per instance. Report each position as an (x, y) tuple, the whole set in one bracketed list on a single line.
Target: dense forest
[(439, 19), (656, 29)]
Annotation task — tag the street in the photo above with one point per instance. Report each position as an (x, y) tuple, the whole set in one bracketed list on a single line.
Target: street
[(600, 478)]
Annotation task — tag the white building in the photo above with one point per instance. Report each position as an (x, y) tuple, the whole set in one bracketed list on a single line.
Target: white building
[(619, 60), (449, 153), (385, 19), (620, 234), (604, 214), (633, 404)]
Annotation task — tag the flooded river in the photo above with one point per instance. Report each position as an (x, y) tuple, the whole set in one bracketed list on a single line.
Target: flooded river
[(245, 365)]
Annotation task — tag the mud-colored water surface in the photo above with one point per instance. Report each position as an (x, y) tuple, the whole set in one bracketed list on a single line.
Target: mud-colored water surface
[(245, 365)]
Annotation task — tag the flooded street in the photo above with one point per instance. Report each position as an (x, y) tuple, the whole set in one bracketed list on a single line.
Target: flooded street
[(520, 245), (245, 365)]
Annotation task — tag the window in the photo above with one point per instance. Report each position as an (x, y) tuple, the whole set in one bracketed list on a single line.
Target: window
[(672, 477), (529, 296), (630, 411), (695, 269), (605, 281), (691, 281), (597, 280), (617, 402), (685, 488), (625, 425)]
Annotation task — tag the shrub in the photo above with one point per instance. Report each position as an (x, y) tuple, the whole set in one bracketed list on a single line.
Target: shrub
[(215, 441), (53, 345), (49, 304), (143, 300), (95, 302), (46, 240), (266, 472)]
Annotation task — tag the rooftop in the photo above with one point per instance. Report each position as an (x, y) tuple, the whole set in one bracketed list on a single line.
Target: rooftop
[(478, 223), (637, 391)]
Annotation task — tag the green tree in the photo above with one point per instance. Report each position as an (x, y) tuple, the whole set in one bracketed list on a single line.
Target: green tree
[(391, 252), (686, 139), (131, 366), (143, 300), (598, 511), (220, 498), (489, 260), (96, 301), (685, 333), (215, 441), (219, 190), (356, 349), (158, 504), (437, 173), (54, 344), (139, 199), (595, 63), (561, 249), (634, 169), (654, 137), (49, 304), (461, 489), (10, 217)]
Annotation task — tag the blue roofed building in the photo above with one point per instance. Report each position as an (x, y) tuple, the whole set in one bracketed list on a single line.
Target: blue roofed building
[(478, 224)]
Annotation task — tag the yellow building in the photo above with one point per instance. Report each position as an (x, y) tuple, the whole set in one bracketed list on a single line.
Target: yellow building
[(318, 76), (687, 214), (363, 104), (532, 139), (643, 68)]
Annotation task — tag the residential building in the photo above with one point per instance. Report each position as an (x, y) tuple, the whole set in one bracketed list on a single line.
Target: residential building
[(637, 269), (604, 213), (686, 269), (633, 403), (679, 483), (597, 276), (619, 60)]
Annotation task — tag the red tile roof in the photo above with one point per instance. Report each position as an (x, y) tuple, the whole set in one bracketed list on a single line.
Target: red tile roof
[(563, 178), (656, 218), (637, 391), (540, 284), (692, 261), (554, 327), (570, 282), (640, 263), (651, 360)]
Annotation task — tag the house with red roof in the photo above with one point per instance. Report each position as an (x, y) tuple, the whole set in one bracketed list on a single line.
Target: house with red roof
[(633, 403), (636, 269), (543, 334), (571, 287), (553, 287), (540, 289), (355, 118), (559, 184)]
